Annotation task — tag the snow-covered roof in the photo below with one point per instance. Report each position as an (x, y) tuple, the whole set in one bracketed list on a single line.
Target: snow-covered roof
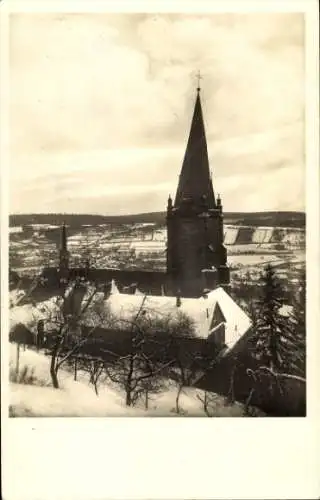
[(48, 310), (21, 314), (237, 321), (15, 229), (200, 310), (126, 306), (29, 314)]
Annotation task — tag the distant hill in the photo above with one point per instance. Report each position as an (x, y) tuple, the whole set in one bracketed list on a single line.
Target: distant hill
[(272, 219), (78, 220)]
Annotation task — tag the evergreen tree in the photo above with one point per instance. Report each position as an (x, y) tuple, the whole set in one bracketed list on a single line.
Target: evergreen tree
[(278, 343), (298, 319)]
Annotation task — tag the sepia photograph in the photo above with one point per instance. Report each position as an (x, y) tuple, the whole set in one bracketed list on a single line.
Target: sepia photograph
[(157, 214)]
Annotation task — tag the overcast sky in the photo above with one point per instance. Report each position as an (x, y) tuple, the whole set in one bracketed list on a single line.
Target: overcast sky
[(101, 107)]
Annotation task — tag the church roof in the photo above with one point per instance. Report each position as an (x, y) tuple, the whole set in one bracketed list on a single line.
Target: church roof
[(201, 310), (195, 181), (149, 281), (125, 306)]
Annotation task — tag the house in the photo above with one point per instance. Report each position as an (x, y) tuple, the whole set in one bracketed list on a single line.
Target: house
[(215, 316)]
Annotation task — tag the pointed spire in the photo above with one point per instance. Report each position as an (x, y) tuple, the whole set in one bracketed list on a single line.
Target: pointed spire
[(63, 237), (195, 179), (199, 77), (63, 253)]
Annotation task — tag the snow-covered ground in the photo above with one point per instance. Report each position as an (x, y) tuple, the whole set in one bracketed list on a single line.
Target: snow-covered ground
[(78, 399), (252, 259), (15, 229)]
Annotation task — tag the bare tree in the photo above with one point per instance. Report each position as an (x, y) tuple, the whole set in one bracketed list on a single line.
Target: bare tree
[(72, 335), (75, 306), (95, 367), (65, 332), (180, 347), (132, 370), (208, 401), (183, 373), (151, 386), (151, 353)]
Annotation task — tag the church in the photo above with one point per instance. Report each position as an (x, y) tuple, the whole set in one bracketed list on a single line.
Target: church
[(196, 256), (196, 280)]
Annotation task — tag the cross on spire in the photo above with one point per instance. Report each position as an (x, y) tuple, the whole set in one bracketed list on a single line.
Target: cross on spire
[(199, 77), (194, 180)]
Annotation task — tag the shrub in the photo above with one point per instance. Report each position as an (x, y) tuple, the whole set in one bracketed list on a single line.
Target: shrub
[(19, 411), (26, 376)]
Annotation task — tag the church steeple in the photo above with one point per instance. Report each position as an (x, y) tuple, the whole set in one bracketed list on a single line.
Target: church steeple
[(196, 256), (63, 254), (195, 179), (63, 243)]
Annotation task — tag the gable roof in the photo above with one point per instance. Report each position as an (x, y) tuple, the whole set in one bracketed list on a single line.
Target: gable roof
[(125, 306), (200, 310), (237, 321), (217, 316)]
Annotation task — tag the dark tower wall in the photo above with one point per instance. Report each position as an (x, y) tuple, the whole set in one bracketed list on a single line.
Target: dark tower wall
[(195, 221), (194, 247)]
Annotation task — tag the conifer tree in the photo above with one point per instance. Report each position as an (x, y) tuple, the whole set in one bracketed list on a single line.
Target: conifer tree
[(278, 342), (298, 319)]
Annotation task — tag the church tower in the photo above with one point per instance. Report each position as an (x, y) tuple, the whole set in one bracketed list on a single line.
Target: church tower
[(63, 254), (196, 256)]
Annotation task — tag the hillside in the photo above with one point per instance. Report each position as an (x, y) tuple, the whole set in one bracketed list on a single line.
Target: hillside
[(274, 219), (37, 398)]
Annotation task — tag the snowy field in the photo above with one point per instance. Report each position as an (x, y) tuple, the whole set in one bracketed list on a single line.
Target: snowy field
[(252, 260), (233, 235), (78, 399), (146, 246), (262, 259)]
